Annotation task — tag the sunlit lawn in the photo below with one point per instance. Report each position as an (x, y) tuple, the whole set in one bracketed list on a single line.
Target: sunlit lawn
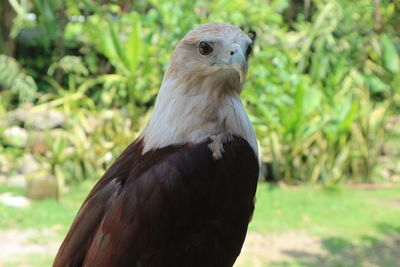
[(345, 219), (354, 227), (351, 213)]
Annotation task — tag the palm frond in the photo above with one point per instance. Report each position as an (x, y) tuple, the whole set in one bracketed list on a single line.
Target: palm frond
[(13, 77)]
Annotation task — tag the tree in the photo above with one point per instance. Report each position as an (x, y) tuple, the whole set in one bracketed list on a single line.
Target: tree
[(7, 43)]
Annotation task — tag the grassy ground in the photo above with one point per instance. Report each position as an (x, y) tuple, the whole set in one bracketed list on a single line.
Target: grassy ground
[(40, 226), (304, 226), (338, 227)]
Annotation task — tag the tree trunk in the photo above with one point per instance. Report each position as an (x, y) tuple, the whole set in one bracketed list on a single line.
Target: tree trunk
[(59, 42), (307, 8), (7, 14), (378, 17)]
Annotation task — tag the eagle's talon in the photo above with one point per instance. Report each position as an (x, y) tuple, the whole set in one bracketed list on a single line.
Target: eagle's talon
[(216, 145)]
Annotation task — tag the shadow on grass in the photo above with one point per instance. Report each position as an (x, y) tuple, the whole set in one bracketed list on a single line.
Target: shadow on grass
[(370, 251)]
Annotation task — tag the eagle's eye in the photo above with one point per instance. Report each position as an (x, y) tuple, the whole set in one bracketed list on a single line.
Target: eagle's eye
[(249, 49), (205, 48)]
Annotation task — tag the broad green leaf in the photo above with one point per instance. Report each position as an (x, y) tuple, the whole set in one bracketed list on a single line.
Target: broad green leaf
[(312, 100), (390, 56), (375, 84), (133, 45), (118, 44)]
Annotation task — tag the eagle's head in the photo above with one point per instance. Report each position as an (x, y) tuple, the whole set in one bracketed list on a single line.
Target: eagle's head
[(212, 53), (199, 97)]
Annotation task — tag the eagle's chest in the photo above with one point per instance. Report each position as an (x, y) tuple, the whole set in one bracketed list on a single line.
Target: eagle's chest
[(209, 206)]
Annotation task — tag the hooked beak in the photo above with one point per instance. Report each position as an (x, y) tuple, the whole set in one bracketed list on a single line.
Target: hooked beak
[(236, 61)]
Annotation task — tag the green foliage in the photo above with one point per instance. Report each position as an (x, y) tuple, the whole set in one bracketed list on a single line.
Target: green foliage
[(321, 81), (390, 56), (124, 53), (316, 116), (13, 78)]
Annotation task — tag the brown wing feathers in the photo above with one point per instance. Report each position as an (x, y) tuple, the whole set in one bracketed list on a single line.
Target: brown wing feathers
[(172, 207)]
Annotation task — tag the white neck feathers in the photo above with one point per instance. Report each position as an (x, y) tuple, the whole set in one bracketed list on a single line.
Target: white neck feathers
[(181, 116)]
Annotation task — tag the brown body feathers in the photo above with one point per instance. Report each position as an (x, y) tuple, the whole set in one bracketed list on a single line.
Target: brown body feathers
[(174, 207)]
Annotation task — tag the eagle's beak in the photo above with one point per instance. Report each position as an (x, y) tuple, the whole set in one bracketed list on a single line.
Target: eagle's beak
[(236, 61)]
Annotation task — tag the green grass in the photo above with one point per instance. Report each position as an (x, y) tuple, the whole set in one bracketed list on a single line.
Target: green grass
[(40, 216), (347, 220), (323, 212), (356, 227), (44, 214)]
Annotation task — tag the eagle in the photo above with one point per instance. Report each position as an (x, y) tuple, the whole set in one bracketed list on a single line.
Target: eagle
[(182, 194)]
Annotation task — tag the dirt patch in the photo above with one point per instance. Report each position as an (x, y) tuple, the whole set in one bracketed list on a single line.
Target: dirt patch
[(389, 202), (301, 249), (257, 250), (372, 186), (260, 249), (17, 243)]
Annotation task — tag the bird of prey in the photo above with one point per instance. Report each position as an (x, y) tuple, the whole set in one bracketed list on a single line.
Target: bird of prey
[(182, 194)]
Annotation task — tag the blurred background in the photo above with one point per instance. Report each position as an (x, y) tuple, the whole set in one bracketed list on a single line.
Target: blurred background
[(78, 80)]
